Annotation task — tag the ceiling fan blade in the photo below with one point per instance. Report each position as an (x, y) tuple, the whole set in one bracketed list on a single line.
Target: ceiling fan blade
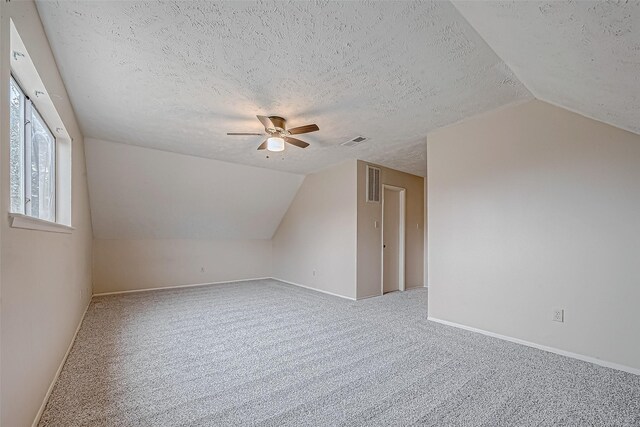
[(263, 145), (243, 133), (266, 122), (296, 142), (304, 129)]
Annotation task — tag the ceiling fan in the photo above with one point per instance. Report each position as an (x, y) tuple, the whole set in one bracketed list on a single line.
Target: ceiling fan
[(276, 128)]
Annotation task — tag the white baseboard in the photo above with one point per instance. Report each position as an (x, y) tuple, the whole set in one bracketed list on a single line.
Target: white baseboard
[(313, 289), (55, 377), (379, 295), (368, 296), (178, 286), (582, 357)]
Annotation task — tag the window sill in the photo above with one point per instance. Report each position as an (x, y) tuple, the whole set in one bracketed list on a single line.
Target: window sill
[(30, 223)]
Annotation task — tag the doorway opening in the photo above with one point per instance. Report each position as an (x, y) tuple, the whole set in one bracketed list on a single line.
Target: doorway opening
[(393, 238)]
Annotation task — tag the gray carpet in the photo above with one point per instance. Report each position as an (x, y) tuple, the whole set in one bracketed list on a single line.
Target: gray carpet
[(270, 354)]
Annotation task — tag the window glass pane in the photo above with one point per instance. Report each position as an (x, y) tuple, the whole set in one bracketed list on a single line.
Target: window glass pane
[(43, 158), (16, 148)]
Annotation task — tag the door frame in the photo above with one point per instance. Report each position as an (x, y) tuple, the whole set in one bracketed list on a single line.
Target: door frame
[(401, 237)]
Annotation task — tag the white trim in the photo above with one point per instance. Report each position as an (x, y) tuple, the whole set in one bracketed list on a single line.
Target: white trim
[(313, 289), (30, 223), (401, 237), (570, 354), (195, 285), (368, 296), (389, 293), (425, 230), (36, 421)]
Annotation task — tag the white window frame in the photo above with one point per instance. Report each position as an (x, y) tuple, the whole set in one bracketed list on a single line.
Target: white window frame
[(29, 112), (25, 74), (26, 219)]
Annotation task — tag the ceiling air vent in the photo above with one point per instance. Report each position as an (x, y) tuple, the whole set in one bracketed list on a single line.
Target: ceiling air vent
[(355, 141), (373, 184)]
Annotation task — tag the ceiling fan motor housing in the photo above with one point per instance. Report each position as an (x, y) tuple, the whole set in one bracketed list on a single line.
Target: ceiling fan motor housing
[(279, 125)]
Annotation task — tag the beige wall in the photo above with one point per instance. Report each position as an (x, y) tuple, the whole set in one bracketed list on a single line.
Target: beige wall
[(318, 233), (123, 265), (534, 207), (160, 218), (46, 277), (370, 238)]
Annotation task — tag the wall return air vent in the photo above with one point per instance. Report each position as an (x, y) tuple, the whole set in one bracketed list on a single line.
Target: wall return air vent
[(355, 141), (373, 184)]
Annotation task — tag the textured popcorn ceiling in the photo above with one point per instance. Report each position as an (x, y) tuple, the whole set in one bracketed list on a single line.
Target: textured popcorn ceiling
[(178, 75), (581, 55)]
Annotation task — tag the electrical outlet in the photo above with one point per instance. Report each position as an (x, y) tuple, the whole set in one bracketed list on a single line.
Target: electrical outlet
[(558, 315)]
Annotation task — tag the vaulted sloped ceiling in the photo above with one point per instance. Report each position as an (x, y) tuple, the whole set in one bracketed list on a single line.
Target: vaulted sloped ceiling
[(177, 75), (580, 55), (140, 193)]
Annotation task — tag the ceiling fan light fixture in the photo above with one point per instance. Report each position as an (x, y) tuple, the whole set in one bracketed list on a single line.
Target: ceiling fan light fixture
[(275, 143)]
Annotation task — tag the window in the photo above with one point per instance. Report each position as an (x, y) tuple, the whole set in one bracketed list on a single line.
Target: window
[(32, 159)]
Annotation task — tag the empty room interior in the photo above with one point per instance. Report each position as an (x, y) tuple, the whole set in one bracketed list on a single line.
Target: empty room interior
[(319, 213)]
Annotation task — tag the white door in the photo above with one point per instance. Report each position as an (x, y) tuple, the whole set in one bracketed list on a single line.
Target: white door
[(391, 218)]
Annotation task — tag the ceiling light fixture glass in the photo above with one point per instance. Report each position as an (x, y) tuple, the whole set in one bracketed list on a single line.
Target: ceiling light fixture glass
[(275, 143)]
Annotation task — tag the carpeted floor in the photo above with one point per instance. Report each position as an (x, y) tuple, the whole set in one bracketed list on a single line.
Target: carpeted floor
[(270, 354)]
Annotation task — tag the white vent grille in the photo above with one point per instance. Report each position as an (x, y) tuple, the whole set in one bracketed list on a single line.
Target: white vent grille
[(355, 141), (373, 184)]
